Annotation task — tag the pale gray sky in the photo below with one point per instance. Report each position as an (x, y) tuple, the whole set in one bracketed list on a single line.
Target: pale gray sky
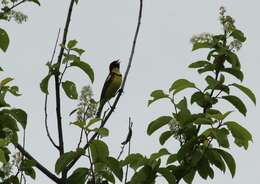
[(105, 30)]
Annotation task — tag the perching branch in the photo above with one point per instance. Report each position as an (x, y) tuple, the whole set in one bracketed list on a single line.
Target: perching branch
[(37, 164), (120, 91), (46, 99)]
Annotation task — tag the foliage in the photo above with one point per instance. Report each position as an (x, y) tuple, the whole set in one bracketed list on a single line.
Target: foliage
[(204, 136)]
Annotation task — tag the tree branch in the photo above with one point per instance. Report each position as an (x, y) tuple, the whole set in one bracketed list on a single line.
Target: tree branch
[(46, 99), (37, 164), (57, 83), (122, 87)]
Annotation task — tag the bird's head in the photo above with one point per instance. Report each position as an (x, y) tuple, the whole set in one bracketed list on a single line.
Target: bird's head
[(114, 64)]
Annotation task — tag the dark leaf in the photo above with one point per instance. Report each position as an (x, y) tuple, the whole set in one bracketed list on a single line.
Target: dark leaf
[(242, 136), (247, 91), (78, 176), (99, 151), (165, 136), (86, 68), (198, 64), (228, 159), (44, 84), (70, 89), (156, 95), (180, 85), (158, 123), (4, 40), (239, 35), (237, 103), (168, 175), (114, 165)]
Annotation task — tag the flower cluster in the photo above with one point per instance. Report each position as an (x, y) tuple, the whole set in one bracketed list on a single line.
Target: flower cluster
[(226, 20), (87, 106), (202, 38), (175, 127)]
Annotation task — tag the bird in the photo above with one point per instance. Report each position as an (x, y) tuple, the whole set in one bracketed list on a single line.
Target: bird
[(111, 85)]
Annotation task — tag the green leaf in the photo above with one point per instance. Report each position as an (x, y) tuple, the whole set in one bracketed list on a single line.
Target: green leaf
[(6, 80), (160, 153), (198, 64), (108, 176), (188, 178), (20, 115), (186, 149), (221, 136), (4, 40), (79, 123), (135, 160), (165, 136), (196, 156), (235, 72), (207, 68), (158, 123), (144, 176), (92, 121), (167, 174), (156, 95), (44, 84), (114, 165), (78, 176), (99, 151), (72, 43), (246, 91), (79, 51), (14, 90), (203, 121), (211, 82), (215, 159), (242, 136), (85, 67), (203, 167), (35, 1), (27, 167), (103, 132), (2, 156), (218, 116), (237, 103), (8, 121), (172, 158), (198, 45), (228, 159), (180, 85), (66, 158), (70, 89), (233, 60), (239, 35)]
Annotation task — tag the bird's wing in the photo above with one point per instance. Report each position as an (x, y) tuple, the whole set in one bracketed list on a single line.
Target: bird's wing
[(105, 86)]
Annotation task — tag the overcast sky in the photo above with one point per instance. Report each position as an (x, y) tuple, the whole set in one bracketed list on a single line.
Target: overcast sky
[(105, 30)]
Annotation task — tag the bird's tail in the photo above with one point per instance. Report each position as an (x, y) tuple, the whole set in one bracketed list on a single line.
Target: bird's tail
[(100, 107)]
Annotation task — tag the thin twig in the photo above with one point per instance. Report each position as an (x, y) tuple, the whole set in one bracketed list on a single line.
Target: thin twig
[(129, 149), (90, 160), (46, 98), (128, 138), (43, 169), (122, 87)]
